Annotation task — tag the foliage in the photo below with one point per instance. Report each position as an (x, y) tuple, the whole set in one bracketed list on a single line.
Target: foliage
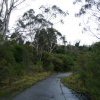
[(17, 59), (22, 83), (46, 39), (21, 61), (88, 70), (58, 62)]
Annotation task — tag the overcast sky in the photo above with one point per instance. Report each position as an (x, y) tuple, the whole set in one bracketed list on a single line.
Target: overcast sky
[(70, 28)]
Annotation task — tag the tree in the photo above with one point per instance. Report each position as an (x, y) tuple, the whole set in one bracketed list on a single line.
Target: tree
[(46, 40), (1, 23), (39, 27), (90, 8), (7, 6), (30, 22), (63, 38), (51, 13), (52, 38)]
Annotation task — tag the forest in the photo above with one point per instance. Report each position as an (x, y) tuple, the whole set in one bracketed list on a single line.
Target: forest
[(31, 52)]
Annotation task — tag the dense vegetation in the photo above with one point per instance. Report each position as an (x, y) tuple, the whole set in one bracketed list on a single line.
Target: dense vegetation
[(31, 52), (86, 77), (18, 61)]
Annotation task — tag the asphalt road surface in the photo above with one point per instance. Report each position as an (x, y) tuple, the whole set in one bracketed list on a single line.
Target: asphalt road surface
[(49, 89)]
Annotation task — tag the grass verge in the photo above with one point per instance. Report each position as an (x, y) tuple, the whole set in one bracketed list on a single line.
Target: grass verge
[(91, 87), (23, 83), (76, 84)]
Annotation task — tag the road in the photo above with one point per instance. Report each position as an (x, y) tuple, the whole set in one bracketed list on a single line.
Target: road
[(49, 89)]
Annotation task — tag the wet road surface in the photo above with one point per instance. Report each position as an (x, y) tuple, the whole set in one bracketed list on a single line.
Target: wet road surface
[(49, 89)]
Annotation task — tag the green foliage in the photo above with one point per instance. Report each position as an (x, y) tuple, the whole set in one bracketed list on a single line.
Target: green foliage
[(18, 54), (46, 39), (6, 60), (18, 59), (88, 68), (14, 60), (67, 60), (57, 62), (47, 61), (38, 67), (22, 83)]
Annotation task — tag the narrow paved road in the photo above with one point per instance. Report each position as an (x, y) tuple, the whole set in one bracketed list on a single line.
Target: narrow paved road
[(49, 89)]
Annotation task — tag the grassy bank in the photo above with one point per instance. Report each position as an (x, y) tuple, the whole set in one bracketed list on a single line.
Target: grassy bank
[(77, 85), (23, 83), (73, 82)]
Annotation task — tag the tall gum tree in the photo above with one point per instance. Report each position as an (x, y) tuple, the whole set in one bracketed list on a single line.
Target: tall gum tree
[(40, 26), (30, 22), (6, 8)]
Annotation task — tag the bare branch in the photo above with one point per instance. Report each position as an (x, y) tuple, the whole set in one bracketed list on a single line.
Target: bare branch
[(18, 3)]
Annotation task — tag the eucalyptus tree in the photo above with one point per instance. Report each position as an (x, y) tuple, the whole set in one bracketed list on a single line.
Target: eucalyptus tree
[(39, 27), (90, 9), (53, 35), (46, 40), (40, 42), (54, 14), (29, 23), (6, 8)]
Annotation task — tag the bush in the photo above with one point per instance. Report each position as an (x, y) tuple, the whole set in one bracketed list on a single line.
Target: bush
[(38, 67), (58, 62), (88, 67), (15, 60), (67, 60), (6, 60)]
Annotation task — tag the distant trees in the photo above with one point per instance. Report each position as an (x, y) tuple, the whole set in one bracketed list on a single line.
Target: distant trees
[(88, 69)]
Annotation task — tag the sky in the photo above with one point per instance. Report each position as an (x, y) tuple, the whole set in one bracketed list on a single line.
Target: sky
[(70, 28)]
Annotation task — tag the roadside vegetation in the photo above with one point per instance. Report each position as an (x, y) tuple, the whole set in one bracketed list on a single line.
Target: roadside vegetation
[(20, 66), (86, 73), (31, 52), (22, 83)]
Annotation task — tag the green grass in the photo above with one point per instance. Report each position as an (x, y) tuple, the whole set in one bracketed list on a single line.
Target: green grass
[(23, 83), (77, 85), (74, 83)]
